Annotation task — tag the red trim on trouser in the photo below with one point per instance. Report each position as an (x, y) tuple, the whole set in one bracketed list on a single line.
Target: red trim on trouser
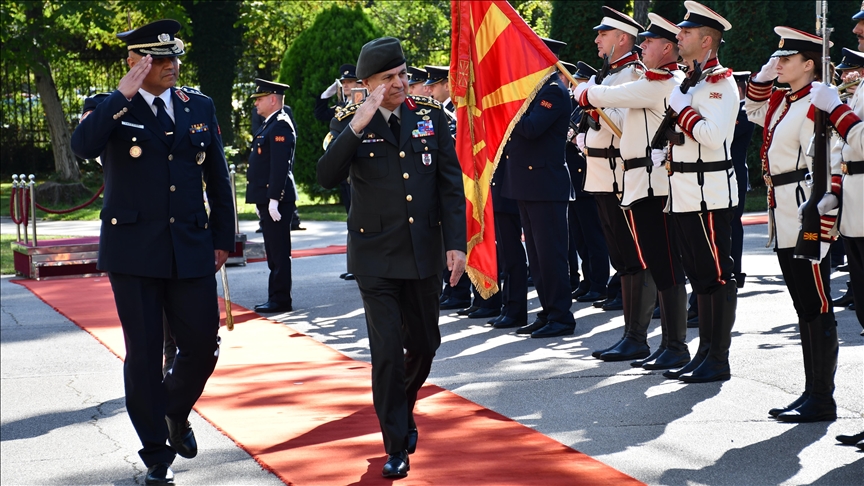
[(820, 288), (713, 245), (632, 224)]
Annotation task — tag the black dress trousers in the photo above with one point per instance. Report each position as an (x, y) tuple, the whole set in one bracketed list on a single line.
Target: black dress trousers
[(277, 244)]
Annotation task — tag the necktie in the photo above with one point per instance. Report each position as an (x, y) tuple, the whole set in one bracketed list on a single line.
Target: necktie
[(163, 118), (395, 127)]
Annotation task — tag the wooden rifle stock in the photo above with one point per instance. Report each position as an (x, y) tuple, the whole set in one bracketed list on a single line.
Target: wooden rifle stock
[(660, 139)]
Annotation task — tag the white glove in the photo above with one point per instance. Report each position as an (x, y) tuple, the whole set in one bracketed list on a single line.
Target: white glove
[(577, 93), (768, 71), (331, 90), (801, 212), (257, 213), (824, 97), (678, 100), (273, 207), (580, 140), (827, 203), (658, 156)]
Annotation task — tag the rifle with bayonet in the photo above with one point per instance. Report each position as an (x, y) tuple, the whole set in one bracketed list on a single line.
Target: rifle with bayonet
[(809, 243), (665, 132), (587, 121)]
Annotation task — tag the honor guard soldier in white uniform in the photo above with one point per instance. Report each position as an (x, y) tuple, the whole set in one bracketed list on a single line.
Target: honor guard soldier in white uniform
[(849, 190), (270, 186), (787, 118), (159, 145), (703, 190), (645, 188), (604, 174)]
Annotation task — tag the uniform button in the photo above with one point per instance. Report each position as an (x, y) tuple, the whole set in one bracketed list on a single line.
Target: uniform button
[(134, 139), (202, 144), (172, 188), (171, 220), (113, 220), (411, 220), (426, 148), (206, 225), (170, 157), (266, 185), (506, 156), (530, 168), (578, 170), (493, 183), (405, 175), (402, 155), (408, 198), (115, 117), (125, 109), (362, 230), (371, 154)]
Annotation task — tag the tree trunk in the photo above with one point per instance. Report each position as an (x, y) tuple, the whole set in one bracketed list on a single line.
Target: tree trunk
[(640, 11), (65, 163)]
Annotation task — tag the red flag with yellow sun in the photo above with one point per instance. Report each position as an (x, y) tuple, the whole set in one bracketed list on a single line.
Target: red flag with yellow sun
[(497, 65)]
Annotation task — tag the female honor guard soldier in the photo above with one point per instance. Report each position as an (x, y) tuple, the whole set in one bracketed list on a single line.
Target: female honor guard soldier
[(157, 243), (616, 39), (270, 186), (787, 118), (407, 210), (703, 191), (849, 151), (645, 189)]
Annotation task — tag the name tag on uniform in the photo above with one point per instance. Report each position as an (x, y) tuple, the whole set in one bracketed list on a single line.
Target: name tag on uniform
[(133, 125)]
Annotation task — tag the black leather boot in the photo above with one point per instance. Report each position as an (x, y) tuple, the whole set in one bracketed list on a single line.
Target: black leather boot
[(704, 317), (715, 366), (807, 351), (820, 405), (846, 298), (638, 293), (673, 303)]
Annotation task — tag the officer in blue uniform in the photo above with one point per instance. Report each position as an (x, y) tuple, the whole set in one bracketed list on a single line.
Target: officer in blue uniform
[(270, 186), (538, 179), (159, 146)]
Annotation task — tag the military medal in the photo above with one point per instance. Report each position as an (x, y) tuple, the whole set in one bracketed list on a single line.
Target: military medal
[(199, 157), (259, 150), (427, 159), (135, 151)]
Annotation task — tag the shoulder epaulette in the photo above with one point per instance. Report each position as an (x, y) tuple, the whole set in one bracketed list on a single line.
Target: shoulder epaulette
[(426, 101), (346, 111), (194, 91), (716, 76), (658, 74), (282, 116)]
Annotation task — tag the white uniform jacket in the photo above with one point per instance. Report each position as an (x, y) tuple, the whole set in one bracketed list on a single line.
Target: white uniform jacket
[(850, 148), (646, 100), (604, 175), (708, 125), (784, 154)]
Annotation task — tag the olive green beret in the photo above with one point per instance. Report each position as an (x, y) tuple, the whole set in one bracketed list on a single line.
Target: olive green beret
[(379, 55)]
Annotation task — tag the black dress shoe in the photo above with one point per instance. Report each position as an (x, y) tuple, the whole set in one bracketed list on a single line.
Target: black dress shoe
[(668, 360), (412, 440), (297, 227), (774, 412), (614, 305), (843, 300), (451, 303), (582, 290), (350, 276), (598, 352), (656, 314), (342, 276), (812, 410), (269, 307), (468, 310), (600, 303), (482, 313), (396, 465), (495, 319), (508, 322), (181, 438), (530, 328), (553, 329), (591, 297), (626, 350), (530, 282), (159, 474), (850, 439), (259, 230)]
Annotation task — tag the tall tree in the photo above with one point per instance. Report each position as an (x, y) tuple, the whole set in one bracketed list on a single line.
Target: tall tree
[(672, 10), (640, 11), (309, 66), (217, 45), (573, 23)]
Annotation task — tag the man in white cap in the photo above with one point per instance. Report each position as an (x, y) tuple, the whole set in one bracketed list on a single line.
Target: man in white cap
[(703, 190), (645, 190), (604, 173)]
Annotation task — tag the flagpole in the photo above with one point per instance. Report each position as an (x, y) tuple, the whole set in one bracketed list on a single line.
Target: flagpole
[(607, 121)]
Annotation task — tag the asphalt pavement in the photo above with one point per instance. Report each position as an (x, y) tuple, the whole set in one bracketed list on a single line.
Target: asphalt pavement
[(64, 420)]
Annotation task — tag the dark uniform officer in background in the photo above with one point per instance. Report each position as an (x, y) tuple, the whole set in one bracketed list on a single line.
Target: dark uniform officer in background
[(270, 186), (158, 244), (407, 209), (537, 178), (342, 86), (416, 81)]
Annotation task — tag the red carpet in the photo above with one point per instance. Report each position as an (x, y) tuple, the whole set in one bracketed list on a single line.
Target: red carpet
[(304, 411), (307, 252), (754, 218)]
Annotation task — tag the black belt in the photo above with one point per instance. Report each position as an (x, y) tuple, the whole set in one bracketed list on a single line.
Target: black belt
[(699, 166), (787, 177), (637, 163), (852, 168), (606, 153)]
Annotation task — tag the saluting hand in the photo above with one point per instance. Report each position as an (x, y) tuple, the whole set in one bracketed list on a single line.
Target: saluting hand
[(130, 83), (456, 265), (367, 110)]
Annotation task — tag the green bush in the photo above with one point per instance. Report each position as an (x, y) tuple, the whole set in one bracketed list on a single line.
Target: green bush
[(310, 65)]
